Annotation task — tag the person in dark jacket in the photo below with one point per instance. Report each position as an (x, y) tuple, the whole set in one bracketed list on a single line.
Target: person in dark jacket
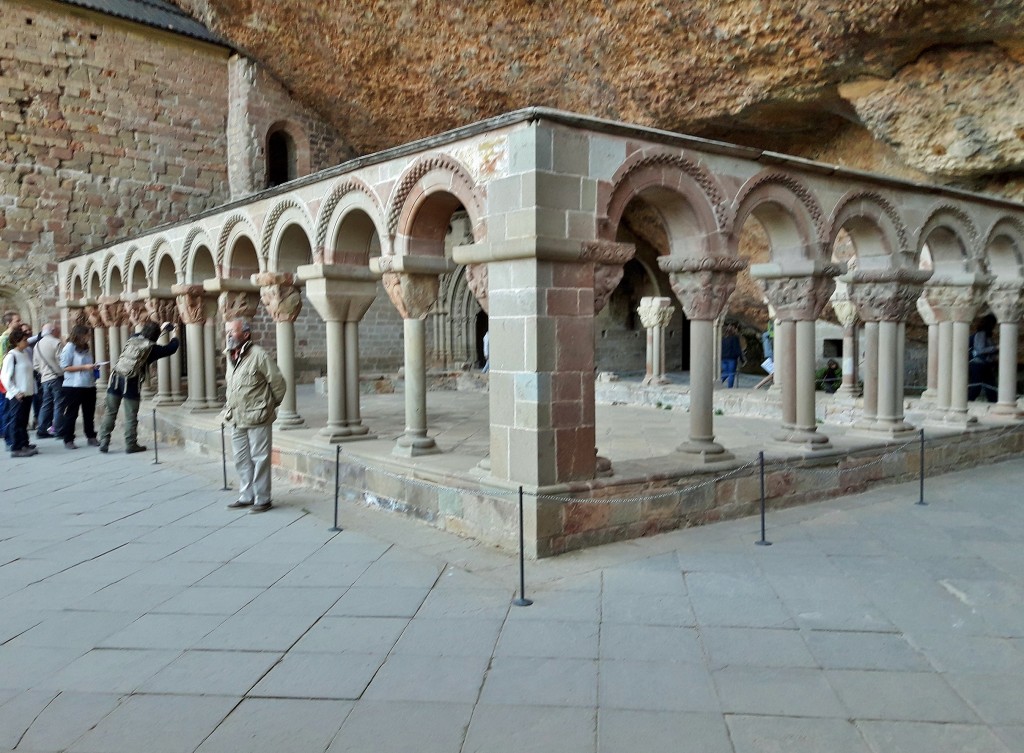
[(732, 355), (126, 389)]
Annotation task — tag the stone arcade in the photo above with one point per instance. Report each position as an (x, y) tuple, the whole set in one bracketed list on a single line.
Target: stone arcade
[(544, 192)]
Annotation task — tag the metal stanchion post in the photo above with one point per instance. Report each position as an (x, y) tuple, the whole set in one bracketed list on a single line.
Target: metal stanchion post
[(224, 460), (920, 497), (522, 601), (156, 452), (337, 483), (760, 462)]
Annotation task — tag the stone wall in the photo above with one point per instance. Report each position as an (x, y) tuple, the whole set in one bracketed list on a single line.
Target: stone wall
[(108, 129)]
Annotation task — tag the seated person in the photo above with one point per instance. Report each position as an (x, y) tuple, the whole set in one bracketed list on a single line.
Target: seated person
[(829, 378)]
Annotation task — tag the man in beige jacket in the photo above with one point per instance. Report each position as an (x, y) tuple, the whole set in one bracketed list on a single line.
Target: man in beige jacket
[(255, 387)]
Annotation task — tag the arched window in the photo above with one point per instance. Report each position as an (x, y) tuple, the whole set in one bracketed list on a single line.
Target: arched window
[(281, 166)]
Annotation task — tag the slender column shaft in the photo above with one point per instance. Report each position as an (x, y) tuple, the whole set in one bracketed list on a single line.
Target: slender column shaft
[(175, 366), (850, 353), (785, 370), (702, 383), (887, 355), (1008, 334), (287, 415), (932, 385), (124, 332), (901, 369), (196, 371), (210, 362), (354, 421), (805, 376), (102, 353), (114, 333), (870, 372), (659, 347), (959, 355), (163, 374), (415, 440), (649, 377), (336, 418), (943, 388)]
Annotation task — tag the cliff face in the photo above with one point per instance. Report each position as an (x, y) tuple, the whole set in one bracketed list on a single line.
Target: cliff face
[(921, 88)]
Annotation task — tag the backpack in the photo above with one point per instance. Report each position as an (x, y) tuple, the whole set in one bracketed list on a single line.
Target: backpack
[(132, 360)]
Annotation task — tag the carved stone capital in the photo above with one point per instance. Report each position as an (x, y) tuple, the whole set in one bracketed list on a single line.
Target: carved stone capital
[(190, 303), (955, 301), (237, 304), (78, 316), (608, 258), (93, 318), (413, 295), (703, 285), (655, 312), (476, 280), (886, 295), (162, 310), (925, 311), (111, 311), (283, 300), (1006, 299), (136, 312), (799, 299)]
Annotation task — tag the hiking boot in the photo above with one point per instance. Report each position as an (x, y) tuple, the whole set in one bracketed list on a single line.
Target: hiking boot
[(133, 448), (104, 446), (240, 503), (25, 452), (70, 446), (260, 508), (93, 442)]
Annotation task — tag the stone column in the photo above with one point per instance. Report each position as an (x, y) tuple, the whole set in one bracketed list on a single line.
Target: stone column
[(99, 336), (283, 300), (341, 295), (885, 299), (110, 311), (703, 286), (192, 311), (846, 312), (798, 290), (1006, 299), (163, 310), (655, 316), (210, 353), (931, 390), (412, 284), (955, 300)]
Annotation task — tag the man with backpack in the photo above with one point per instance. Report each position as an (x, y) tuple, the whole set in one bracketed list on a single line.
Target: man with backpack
[(139, 351)]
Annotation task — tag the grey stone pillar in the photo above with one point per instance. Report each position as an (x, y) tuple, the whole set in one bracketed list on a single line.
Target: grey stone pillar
[(931, 390), (1006, 299), (283, 301), (798, 290), (655, 314), (191, 311), (703, 286)]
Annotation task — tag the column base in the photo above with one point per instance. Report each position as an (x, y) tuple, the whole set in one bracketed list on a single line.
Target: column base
[(195, 407), (339, 435), (705, 451), (358, 430), (809, 438), (888, 429), (167, 400), (603, 467), (1007, 410), (289, 421), (413, 446), (950, 419)]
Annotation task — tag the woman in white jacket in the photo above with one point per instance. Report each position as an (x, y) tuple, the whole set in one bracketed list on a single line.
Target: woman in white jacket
[(19, 380)]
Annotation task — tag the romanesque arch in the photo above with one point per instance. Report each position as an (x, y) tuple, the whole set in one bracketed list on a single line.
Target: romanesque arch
[(350, 222), (421, 206), (164, 269), (197, 238), (237, 242), (286, 238), (879, 235), (788, 211), (690, 201), (1004, 248), (951, 239)]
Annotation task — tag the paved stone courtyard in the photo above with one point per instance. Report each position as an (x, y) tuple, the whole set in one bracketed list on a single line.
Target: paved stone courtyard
[(138, 614)]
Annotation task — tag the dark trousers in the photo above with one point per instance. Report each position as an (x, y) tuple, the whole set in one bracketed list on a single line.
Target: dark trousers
[(3, 419), (75, 397), (51, 413), (17, 422)]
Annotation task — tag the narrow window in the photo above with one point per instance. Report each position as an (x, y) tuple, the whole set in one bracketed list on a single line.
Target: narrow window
[(280, 158)]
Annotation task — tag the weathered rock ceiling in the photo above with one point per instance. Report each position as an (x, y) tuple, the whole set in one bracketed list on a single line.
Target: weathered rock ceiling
[(939, 83)]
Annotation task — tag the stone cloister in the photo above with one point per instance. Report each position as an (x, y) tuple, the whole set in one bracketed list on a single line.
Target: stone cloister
[(544, 193)]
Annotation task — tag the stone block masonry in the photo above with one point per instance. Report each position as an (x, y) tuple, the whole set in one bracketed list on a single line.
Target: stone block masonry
[(109, 128)]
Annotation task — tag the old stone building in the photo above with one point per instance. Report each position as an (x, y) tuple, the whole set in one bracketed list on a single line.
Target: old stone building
[(122, 115)]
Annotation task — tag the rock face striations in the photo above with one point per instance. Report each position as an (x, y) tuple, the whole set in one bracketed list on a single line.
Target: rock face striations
[(920, 88)]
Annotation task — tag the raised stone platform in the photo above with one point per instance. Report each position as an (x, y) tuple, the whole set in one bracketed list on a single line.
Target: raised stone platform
[(652, 488)]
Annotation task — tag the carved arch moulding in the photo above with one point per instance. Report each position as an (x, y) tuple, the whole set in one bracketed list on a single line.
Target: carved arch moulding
[(273, 220), (648, 168), (852, 206), (326, 218), (226, 232), (958, 222), (775, 186), (462, 186)]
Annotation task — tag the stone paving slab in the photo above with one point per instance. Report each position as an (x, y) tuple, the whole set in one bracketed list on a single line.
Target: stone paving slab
[(144, 615)]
